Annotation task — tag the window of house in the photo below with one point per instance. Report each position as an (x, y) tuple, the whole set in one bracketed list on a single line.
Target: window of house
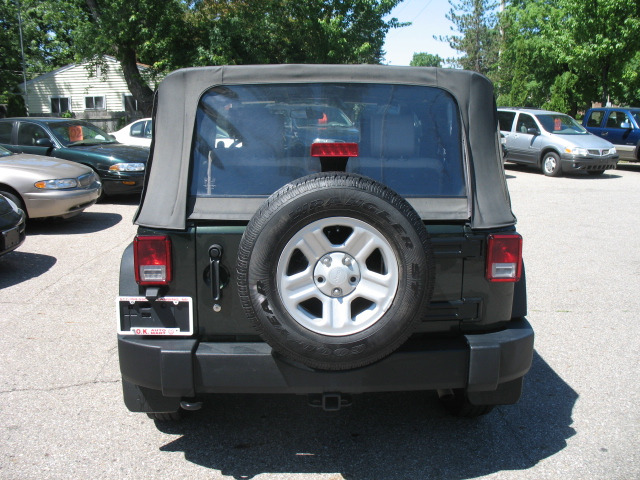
[(130, 104), (94, 103), (60, 105)]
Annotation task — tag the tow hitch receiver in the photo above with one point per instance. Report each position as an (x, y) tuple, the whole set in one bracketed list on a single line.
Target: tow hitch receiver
[(330, 402)]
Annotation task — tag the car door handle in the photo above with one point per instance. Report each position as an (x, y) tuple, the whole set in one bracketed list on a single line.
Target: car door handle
[(604, 134), (215, 254)]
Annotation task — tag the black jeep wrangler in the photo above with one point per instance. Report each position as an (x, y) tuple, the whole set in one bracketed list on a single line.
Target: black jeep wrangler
[(323, 230)]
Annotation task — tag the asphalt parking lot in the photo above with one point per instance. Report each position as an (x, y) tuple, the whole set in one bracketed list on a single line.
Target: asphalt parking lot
[(61, 407)]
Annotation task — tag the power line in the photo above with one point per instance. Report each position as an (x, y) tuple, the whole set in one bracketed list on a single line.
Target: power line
[(402, 7), (421, 11)]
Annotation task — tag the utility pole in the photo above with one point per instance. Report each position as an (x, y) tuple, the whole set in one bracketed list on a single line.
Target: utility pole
[(24, 68)]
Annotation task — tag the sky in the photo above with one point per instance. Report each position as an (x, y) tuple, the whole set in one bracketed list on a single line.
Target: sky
[(428, 19)]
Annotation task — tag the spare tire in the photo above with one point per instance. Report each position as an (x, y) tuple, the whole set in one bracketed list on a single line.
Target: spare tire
[(335, 270)]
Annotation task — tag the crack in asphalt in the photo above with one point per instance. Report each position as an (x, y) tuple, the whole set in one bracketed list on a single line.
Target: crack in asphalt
[(60, 387)]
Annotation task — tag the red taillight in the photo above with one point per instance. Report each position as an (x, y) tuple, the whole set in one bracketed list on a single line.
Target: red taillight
[(334, 149), (504, 258), (152, 260)]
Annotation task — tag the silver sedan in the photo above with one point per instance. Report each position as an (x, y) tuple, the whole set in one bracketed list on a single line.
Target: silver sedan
[(47, 186)]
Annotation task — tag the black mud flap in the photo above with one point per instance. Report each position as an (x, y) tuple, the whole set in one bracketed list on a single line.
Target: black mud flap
[(507, 393), (141, 399)]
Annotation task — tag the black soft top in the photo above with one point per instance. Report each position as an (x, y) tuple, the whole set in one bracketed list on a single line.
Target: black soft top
[(165, 200)]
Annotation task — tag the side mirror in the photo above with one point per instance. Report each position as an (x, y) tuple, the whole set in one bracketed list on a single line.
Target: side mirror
[(626, 126), (533, 131), (44, 142)]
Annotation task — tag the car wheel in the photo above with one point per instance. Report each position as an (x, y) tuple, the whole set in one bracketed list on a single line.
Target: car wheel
[(457, 403), (15, 199), (335, 270), (551, 164)]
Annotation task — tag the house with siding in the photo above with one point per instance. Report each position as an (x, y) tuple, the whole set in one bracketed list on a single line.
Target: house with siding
[(97, 94)]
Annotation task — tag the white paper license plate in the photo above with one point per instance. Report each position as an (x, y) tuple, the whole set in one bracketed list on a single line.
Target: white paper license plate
[(167, 316)]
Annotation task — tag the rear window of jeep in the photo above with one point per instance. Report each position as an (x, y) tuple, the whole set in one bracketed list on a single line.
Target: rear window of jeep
[(250, 140)]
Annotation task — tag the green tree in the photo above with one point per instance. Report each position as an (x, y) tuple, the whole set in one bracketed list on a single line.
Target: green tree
[(599, 39), (565, 54), (46, 40), (144, 31), (179, 33), (478, 38), (10, 63), (528, 64), (291, 31), (426, 60)]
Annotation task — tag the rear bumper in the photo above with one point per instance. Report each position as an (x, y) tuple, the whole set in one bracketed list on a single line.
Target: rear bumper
[(186, 368)]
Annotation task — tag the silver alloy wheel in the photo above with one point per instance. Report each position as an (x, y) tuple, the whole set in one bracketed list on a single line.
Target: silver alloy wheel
[(550, 164), (338, 289)]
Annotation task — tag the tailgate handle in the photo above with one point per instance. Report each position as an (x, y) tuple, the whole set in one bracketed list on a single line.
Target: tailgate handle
[(215, 254)]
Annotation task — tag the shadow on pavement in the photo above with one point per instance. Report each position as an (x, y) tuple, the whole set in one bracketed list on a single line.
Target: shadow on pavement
[(132, 199), (629, 167), (17, 267), (393, 435), (86, 222), (578, 175)]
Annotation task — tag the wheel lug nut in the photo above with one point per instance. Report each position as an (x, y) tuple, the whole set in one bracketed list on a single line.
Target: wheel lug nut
[(336, 292), (326, 261), (346, 261)]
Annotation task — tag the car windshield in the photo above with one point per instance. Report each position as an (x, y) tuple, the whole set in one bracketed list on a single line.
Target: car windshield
[(75, 133), (4, 152), (250, 140), (561, 124)]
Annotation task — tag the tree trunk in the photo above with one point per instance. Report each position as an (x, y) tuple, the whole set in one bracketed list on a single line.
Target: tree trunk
[(605, 84), (137, 85), (126, 55)]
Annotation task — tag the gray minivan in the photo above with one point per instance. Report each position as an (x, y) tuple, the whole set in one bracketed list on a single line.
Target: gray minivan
[(553, 142)]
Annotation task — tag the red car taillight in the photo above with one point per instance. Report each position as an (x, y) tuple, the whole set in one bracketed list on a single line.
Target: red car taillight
[(152, 260), (334, 149), (504, 258)]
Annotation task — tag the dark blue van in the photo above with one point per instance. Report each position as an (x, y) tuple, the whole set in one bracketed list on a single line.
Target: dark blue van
[(620, 126)]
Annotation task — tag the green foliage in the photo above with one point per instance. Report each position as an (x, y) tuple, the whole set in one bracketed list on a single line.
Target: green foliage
[(426, 60), (629, 84), (15, 106), (170, 34), (478, 36), (154, 31), (565, 54), (46, 41), (10, 64), (290, 31)]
